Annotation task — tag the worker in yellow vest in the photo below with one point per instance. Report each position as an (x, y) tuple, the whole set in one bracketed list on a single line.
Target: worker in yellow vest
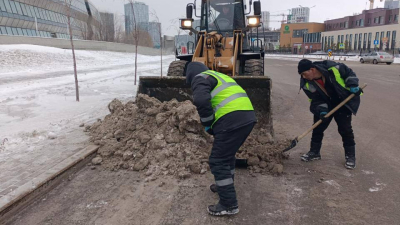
[(327, 84), (227, 113)]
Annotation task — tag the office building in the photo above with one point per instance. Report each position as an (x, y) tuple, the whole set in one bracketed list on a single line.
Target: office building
[(48, 18)]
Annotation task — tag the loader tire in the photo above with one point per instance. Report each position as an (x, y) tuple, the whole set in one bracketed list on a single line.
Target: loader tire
[(177, 68), (254, 67)]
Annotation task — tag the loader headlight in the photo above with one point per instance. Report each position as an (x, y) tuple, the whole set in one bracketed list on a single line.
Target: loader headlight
[(186, 24), (253, 21)]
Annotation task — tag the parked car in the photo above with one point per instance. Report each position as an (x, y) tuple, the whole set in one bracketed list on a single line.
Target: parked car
[(377, 57)]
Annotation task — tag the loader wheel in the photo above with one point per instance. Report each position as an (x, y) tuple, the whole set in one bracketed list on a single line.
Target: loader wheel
[(177, 68), (253, 67)]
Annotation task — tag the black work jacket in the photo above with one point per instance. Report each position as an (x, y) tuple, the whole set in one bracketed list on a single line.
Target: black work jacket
[(337, 93)]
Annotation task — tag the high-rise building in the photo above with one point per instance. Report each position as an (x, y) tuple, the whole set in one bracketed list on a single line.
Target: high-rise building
[(154, 31), (107, 26), (390, 4), (48, 18), (141, 11), (299, 15), (265, 17)]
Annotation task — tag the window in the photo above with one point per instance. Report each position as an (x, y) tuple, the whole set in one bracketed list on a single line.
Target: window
[(19, 10), (355, 41), (25, 32), (351, 41), (8, 6), (341, 39), (388, 42), (393, 39), (375, 20), (369, 40), (30, 33), (9, 31), (369, 21), (31, 9), (380, 20), (24, 11), (396, 17), (19, 31), (37, 13), (377, 36), (2, 6), (359, 41), (390, 18), (356, 22), (14, 31), (13, 8), (361, 22), (365, 41), (297, 33)]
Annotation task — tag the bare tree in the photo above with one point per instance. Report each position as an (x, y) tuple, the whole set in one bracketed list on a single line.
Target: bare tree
[(68, 4), (135, 34), (154, 14)]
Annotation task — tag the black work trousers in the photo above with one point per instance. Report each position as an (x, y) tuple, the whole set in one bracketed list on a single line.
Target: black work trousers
[(343, 120), (222, 162)]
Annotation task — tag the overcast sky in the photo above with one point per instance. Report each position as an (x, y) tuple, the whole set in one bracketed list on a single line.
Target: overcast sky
[(168, 10)]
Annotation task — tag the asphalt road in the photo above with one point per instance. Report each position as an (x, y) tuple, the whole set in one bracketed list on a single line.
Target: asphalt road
[(321, 192), (369, 194)]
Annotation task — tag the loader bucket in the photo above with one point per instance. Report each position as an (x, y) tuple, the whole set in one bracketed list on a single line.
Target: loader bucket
[(257, 88)]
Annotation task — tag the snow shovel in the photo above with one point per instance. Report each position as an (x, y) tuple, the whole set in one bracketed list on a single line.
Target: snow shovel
[(298, 138)]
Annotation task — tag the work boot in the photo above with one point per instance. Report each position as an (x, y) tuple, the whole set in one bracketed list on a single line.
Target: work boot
[(220, 210), (213, 188), (350, 154), (313, 154)]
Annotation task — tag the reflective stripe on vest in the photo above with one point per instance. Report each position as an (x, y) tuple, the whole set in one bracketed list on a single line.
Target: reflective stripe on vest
[(227, 96), (338, 78)]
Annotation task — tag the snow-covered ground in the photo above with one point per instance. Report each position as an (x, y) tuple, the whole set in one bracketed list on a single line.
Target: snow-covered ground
[(37, 95)]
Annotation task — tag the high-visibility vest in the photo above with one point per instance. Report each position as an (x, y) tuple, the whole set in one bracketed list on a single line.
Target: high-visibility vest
[(227, 96), (338, 78)]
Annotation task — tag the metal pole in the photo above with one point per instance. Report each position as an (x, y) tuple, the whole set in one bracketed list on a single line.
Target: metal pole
[(37, 32)]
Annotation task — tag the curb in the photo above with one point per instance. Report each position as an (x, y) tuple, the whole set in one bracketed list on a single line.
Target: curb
[(24, 195)]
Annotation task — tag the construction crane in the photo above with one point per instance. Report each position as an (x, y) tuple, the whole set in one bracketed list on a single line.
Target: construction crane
[(371, 4)]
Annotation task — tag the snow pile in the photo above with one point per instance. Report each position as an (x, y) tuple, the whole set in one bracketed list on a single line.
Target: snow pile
[(168, 139), (33, 59)]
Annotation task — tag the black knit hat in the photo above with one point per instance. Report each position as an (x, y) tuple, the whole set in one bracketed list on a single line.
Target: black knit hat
[(304, 65), (193, 69)]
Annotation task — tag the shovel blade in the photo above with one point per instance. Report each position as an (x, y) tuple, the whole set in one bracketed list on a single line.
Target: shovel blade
[(292, 145)]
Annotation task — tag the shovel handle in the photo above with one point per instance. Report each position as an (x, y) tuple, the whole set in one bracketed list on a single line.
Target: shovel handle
[(329, 114)]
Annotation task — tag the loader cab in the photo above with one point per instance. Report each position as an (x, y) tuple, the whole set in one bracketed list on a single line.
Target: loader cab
[(223, 16)]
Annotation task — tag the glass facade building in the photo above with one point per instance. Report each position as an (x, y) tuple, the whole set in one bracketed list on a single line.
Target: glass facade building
[(48, 18), (141, 11)]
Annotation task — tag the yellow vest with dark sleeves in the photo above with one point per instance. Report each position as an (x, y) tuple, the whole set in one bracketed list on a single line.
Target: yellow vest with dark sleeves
[(227, 96)]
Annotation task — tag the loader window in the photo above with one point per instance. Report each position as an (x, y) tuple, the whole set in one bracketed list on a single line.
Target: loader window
[(225, 15)]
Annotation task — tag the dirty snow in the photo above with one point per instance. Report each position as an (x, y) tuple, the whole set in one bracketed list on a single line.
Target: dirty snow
[(168, 139), (38, 110)]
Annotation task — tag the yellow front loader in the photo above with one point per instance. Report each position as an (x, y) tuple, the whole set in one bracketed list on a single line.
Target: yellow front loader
[(227, 41)]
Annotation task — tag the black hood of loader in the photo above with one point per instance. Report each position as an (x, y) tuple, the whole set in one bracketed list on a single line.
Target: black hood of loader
[(194, 69)]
